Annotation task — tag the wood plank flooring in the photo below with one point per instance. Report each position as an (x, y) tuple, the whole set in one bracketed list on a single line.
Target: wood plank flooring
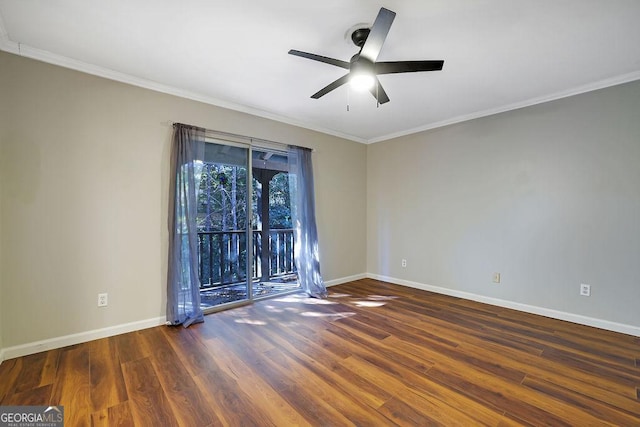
[(372, 354)]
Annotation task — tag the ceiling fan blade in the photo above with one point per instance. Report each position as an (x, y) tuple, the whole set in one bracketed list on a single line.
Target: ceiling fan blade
[(379, 30), (378, 93), (319, 58), (331, 86), (407, 66)]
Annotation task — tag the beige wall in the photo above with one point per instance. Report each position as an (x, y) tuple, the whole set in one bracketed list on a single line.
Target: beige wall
[(549, 196), (83, 197), (3, 126)]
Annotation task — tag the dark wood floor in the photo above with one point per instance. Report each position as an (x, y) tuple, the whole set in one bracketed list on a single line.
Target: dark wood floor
[(371, 354)]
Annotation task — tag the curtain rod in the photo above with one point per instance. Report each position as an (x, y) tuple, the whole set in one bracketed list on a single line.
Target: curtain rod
[(241, 138)]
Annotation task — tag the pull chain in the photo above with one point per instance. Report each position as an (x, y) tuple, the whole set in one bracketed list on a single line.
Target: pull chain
[(348, 92)]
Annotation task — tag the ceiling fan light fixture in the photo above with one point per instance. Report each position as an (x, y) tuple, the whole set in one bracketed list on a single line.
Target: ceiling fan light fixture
[(361, 74), (362, 82)]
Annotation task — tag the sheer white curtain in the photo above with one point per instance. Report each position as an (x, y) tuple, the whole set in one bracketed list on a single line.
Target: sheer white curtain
[(303, 209), (183, 283)]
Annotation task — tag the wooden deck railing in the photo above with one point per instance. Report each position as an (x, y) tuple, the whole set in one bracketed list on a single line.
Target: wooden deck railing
[(223, 255)]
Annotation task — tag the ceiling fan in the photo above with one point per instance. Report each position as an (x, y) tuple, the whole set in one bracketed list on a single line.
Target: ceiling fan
[(363, 68)]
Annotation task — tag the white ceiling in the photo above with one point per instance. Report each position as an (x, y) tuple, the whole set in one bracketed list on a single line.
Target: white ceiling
[(499, 54)]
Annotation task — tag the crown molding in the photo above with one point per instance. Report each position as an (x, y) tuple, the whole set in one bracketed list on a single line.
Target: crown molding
[(26, 51), (7, 45), (602, 84)]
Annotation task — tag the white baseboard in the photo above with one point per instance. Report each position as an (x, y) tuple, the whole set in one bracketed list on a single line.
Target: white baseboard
[(58, 342), (554, 314), (345, 280)]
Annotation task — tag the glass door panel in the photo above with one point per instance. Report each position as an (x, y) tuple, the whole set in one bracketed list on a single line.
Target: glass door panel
[(224, 209), (274, 268)]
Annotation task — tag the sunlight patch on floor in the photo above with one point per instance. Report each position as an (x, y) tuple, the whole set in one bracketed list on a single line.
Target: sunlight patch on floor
[(304, 300), (369, 303), (382, 297), (274, 309), (251, 322), (338, 295), (330, 315)]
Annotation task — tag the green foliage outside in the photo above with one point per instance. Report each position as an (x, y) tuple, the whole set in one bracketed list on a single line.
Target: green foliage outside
[(222, 201)]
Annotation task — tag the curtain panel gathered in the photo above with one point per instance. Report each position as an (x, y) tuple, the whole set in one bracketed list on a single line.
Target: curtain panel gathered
[(303, 206), (183, 283)]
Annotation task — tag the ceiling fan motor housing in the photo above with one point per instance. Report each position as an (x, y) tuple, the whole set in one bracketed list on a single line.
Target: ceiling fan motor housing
[(359, 36), (361, 65)]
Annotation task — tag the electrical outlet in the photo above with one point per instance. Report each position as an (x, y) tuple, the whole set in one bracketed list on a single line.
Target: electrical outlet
[(103, 300), (496, 277), (404, 263), (585, 290)]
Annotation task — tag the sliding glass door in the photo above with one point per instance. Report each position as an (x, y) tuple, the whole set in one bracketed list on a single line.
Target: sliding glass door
[(224, 213), (245, 236)]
